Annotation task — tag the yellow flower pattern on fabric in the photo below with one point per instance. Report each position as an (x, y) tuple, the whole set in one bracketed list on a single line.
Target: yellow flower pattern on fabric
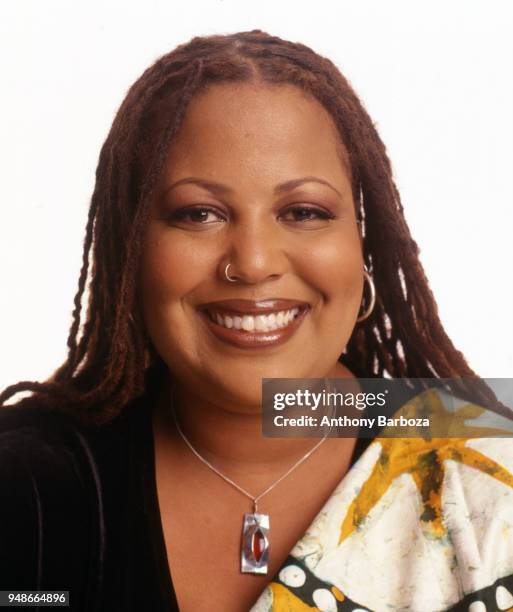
[(424, 461)]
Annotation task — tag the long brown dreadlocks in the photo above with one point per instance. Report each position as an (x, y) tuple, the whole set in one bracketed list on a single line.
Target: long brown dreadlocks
[(107, 364)]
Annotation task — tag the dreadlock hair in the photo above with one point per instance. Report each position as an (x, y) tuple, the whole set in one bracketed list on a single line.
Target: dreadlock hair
[(107, 363)]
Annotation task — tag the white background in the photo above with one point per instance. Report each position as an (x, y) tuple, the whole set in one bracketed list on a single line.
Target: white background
[(437, 78)]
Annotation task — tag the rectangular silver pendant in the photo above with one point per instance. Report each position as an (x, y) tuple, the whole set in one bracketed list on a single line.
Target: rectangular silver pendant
[(255, 544)]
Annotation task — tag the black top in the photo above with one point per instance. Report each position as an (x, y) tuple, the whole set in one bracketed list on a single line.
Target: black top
[(79, 510)]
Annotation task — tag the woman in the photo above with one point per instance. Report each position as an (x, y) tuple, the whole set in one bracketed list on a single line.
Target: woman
[(244, 204)]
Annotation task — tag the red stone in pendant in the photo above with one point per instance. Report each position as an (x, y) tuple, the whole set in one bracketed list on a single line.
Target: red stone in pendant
[(255, 543), (258, 544)]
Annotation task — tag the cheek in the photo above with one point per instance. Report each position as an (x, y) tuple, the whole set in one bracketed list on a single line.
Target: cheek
[(170, 269), (335, 266)]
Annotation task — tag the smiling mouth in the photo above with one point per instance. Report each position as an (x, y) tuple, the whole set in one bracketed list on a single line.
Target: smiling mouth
[(252, 330), (255, 323)]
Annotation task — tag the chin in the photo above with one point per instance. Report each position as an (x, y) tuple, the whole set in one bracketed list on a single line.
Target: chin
[(244, 385)]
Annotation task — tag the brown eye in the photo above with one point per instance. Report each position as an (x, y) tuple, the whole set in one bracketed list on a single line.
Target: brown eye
[(199, 215), (196, 215), (303, 214)]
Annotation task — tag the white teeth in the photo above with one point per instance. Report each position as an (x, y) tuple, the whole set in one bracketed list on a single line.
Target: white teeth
[(271, 321), (250, 323), (260, 323)]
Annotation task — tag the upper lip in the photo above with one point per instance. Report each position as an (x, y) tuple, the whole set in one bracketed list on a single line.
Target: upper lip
[(254, 307)]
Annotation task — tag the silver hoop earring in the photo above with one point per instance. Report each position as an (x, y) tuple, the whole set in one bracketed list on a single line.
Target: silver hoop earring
[(228, 277), (372, 300)]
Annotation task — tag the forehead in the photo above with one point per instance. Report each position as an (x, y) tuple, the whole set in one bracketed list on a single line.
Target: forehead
[(253, 128)]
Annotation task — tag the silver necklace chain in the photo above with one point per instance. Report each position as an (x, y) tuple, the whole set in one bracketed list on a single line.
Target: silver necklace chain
[(234, 484)]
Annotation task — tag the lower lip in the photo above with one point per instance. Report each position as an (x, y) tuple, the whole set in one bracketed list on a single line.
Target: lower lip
[(254, 339)]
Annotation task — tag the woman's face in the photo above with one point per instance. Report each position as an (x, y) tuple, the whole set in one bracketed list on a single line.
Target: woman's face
[(255, 178)]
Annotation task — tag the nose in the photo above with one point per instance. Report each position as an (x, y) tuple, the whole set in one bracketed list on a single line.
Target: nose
[(254, 252)]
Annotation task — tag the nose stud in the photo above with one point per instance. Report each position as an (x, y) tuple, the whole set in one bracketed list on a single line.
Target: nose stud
[(228, 277)]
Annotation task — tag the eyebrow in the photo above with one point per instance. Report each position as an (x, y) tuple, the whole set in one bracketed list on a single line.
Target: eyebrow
[(220, 189)]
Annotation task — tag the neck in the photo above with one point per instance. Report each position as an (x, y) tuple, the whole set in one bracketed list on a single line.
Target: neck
[(233, 441)]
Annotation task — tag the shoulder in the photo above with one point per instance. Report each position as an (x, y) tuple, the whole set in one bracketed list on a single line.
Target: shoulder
[(41, 441), (29, 436), (461, 482), (440, 510), (467, 449), (52, 451), (51, 497), (40, 433)]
